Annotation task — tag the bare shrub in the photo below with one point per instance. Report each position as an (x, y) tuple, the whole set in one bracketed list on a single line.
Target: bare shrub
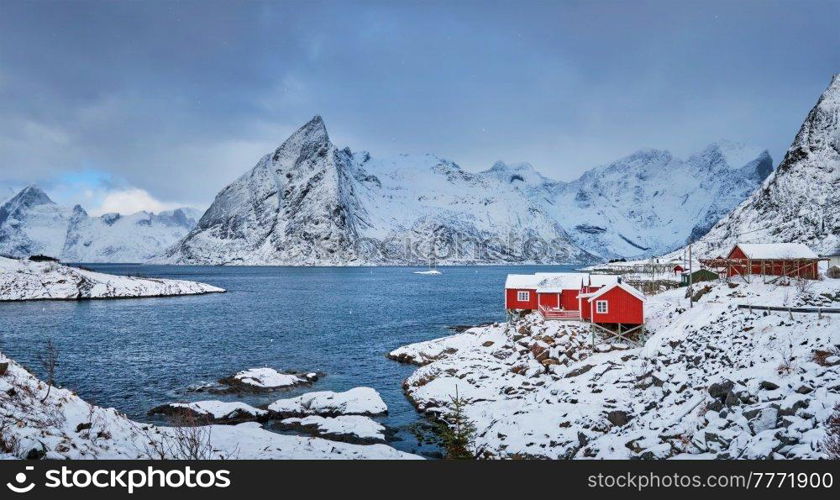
[(803, 286), (831, 444), (187, 438), (784, 347), (49, 361)]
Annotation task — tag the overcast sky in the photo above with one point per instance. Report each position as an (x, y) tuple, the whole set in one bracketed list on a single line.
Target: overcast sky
[(129, 105)]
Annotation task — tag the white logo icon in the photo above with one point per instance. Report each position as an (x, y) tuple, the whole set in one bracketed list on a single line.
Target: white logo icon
[(20, 478)]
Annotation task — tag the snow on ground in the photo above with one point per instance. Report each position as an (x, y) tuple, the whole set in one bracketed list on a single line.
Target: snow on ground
[(356, 401), (61, 425), (355, 428), (28, 280), (712, 380)]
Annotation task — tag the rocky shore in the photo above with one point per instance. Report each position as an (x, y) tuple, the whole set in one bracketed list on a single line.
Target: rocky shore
[(39, 421), (712, 381)]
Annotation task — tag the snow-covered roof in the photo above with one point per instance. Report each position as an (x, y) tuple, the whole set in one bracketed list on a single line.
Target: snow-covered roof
[(603, 279), (776, 251), (522, 281), (629, 289), (557, 282)]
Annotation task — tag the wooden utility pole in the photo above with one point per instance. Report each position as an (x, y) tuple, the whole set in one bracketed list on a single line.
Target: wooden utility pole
[(690, 280)]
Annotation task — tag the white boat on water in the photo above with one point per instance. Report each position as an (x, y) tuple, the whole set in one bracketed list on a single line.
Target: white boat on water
[(432, 271), (429, 272)]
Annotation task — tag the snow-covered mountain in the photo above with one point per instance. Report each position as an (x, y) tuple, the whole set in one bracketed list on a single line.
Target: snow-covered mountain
[(310, 203), (31, 223), (651, 202), (800, 201)]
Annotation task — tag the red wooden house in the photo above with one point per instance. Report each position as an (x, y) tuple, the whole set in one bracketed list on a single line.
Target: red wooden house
[(521, 292), (618, 303), (569, 296), (776, 259), (544, 291)]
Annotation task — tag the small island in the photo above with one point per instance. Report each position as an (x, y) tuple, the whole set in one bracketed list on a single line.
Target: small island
[(48, 279)]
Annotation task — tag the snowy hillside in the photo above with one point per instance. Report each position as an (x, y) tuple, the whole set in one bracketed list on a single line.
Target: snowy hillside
[(800, 201), (31, 224), (651, 202), (310, 203), (124, 238), (713, 381), (27, 280)]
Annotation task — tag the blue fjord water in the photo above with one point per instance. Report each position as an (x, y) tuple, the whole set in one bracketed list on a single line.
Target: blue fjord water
[(134, 354)]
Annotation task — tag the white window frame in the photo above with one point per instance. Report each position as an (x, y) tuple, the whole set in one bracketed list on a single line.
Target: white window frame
[(598, 306), (523, 296)]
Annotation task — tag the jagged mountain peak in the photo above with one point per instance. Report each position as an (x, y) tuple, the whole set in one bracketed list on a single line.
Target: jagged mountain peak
[(642, 158), (834, 86), (312, 132), (79, 211), (516, 174), (734, 154), (30, 196)]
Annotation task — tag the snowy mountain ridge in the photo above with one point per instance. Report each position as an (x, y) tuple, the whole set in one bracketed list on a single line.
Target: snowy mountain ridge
[(31, 223), (799, 201), (310, 203)]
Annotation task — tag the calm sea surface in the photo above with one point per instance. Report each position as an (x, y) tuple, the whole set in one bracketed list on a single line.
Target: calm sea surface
[(135, 354)]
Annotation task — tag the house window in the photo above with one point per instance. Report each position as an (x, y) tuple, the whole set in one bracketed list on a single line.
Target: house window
[(523, 296), (601, 307)]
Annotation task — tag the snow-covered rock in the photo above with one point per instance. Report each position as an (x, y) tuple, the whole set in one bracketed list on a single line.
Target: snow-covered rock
[(267, 379), (356, 401), (309, 203), (31, 224), (799, 202), (712, 381), (222, 412), (350, 428), (28, 280), (61, 425)]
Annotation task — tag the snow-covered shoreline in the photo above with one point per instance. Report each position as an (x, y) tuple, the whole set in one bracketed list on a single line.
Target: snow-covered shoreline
[(55, 423), (713, 381), (23, 280)]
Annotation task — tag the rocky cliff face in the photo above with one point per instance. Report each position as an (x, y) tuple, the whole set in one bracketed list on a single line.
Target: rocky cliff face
[(799, 201), (310, 203), (295, 206)]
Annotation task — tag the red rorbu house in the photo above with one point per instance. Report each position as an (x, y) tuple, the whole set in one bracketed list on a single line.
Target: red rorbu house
[(775, 259), (569, 296), (618, 304)]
